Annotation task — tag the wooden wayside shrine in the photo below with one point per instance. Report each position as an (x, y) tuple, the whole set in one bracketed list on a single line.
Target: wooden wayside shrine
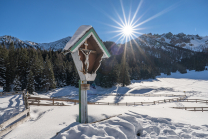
[(87, 51)]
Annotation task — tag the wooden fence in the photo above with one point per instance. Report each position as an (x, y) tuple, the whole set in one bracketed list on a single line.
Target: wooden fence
[(56, 102), (139, 95), (193, 108), (11, 93), (51, 101), (181, 98), (7, 127)]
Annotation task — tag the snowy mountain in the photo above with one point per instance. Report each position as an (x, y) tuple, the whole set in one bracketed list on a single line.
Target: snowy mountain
[(56, 45), (191, 42)]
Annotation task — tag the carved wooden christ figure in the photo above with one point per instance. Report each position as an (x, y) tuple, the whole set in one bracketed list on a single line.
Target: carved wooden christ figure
[(86, 66), (90, 55)]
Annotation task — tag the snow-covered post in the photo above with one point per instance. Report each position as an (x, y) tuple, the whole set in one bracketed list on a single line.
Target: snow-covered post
[(87, 51)]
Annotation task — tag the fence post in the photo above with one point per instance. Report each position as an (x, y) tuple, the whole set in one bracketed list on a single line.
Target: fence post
[(202, 109), (126, 103), (26, 101), (53, 101)]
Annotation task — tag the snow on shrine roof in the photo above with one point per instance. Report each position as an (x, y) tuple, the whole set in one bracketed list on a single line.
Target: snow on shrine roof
[(82, 33), (77, 35)]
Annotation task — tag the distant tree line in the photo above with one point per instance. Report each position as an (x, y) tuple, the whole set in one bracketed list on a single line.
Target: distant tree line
[(42, 70)]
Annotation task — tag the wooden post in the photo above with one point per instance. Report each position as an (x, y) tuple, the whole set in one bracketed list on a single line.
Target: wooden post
[(202, 109), (53, 101), (83, 113)]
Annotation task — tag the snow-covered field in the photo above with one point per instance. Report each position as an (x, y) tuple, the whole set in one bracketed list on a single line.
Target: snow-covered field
[(151, 121)]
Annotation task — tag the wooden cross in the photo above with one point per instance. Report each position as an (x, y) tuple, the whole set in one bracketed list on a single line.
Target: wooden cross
[(85, 49)]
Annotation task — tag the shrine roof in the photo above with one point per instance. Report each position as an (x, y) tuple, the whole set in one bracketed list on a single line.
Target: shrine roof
[(82, 33)]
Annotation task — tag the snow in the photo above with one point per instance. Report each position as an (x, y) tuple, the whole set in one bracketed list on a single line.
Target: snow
[(77, 35), (150, 121), (167, 40)]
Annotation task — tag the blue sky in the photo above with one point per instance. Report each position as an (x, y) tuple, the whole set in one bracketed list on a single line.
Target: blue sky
[(50, 20)]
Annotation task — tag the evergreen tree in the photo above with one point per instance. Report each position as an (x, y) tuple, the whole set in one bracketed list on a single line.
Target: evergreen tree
[(48, 75), (3, 57), (124, 77), (23, 66), (69, 72), (11, 67), (30, 82), (17, 84), (75, 76)]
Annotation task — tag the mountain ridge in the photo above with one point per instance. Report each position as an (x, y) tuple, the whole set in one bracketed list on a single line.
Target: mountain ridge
[(190, 42), (56, 45)]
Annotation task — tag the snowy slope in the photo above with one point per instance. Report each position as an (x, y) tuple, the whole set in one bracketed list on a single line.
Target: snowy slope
[(151, 121), (56, 45)]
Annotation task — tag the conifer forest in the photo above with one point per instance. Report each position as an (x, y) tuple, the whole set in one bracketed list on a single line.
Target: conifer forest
[(42, 70)]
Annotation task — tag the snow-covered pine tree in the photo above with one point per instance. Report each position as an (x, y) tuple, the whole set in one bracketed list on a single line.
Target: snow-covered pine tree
[(10, 67), (48, 75), (124, 77), (17, 84), (23, 66), (69, 72), (3, 56), (30, 82), (75, 75)]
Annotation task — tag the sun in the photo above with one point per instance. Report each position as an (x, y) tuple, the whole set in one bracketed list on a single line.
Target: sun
[(127, 30), (128, 27)]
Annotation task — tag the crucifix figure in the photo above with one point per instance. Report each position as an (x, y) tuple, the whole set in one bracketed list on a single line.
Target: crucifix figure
[(86, 53)]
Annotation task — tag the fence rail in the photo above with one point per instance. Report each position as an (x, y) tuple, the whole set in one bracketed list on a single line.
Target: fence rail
[(13, 119), (9, 125), (11, 93), (145, 95), (181, 98), (193, 108), (54, 101)]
